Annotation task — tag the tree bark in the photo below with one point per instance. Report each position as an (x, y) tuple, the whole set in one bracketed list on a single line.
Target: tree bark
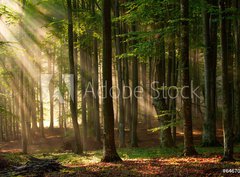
[(227, 79), (134, 138), (172, 81), (41, 121), (118, 42), (237, 94), (159, 101), (22, 101), (210, 40), (189, 148), (23, 109), (83, 97), (145, 98), (51, 91), (95, 84), (73, 102), (109, 149)]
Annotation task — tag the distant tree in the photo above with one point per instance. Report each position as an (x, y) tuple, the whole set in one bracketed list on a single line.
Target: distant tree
[(41, 111), (51, 89), (134, 137), (95, 72), (22, 98)]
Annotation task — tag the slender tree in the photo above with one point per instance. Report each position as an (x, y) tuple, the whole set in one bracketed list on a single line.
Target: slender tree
[(118, 42), (51, 90), (22, 99), (73, 102), (83, 89), (41, 111), (134, 137), (95, 82)]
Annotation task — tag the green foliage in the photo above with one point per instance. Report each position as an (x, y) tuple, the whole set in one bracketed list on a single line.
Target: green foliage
[(9, 15), (164, 127)]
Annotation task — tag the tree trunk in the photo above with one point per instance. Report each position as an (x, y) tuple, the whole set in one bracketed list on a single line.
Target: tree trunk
[(51, 91), (41, 121), (109, 149), (227, 79), (126, 85), (149, 122), (23, 109), (134, 138), (172, 81), (237, 94), (34, 113), (95, 85), (73, 102), (159, 101), (210, 41), (144, 84), (22, 101), (60, 104), (120, 80), (189, 148), (89, 95), (83, 97)]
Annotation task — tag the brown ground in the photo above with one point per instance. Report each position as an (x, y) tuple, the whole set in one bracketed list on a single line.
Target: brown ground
[(173, 166)]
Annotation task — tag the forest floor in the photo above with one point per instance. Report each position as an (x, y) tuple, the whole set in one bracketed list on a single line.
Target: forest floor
[(148, 160)]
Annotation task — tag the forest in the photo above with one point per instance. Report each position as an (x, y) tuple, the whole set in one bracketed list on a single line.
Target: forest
[(119, 88)]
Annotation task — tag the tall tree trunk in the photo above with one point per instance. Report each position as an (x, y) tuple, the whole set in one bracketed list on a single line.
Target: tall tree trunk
[(73, 102), (109, 149), (149, 122), (237, 88), (172, 81), (159, 101), (210, 41), (144, 84), (227, 79), (41, 114), (120, 80), (134, 138), (126, 84), (27, 109), (83, 96), (189, 148), (22, 99), (51, 91), (60, 104), (95, 84), (34, 113), (89, 94), (23, 109)]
